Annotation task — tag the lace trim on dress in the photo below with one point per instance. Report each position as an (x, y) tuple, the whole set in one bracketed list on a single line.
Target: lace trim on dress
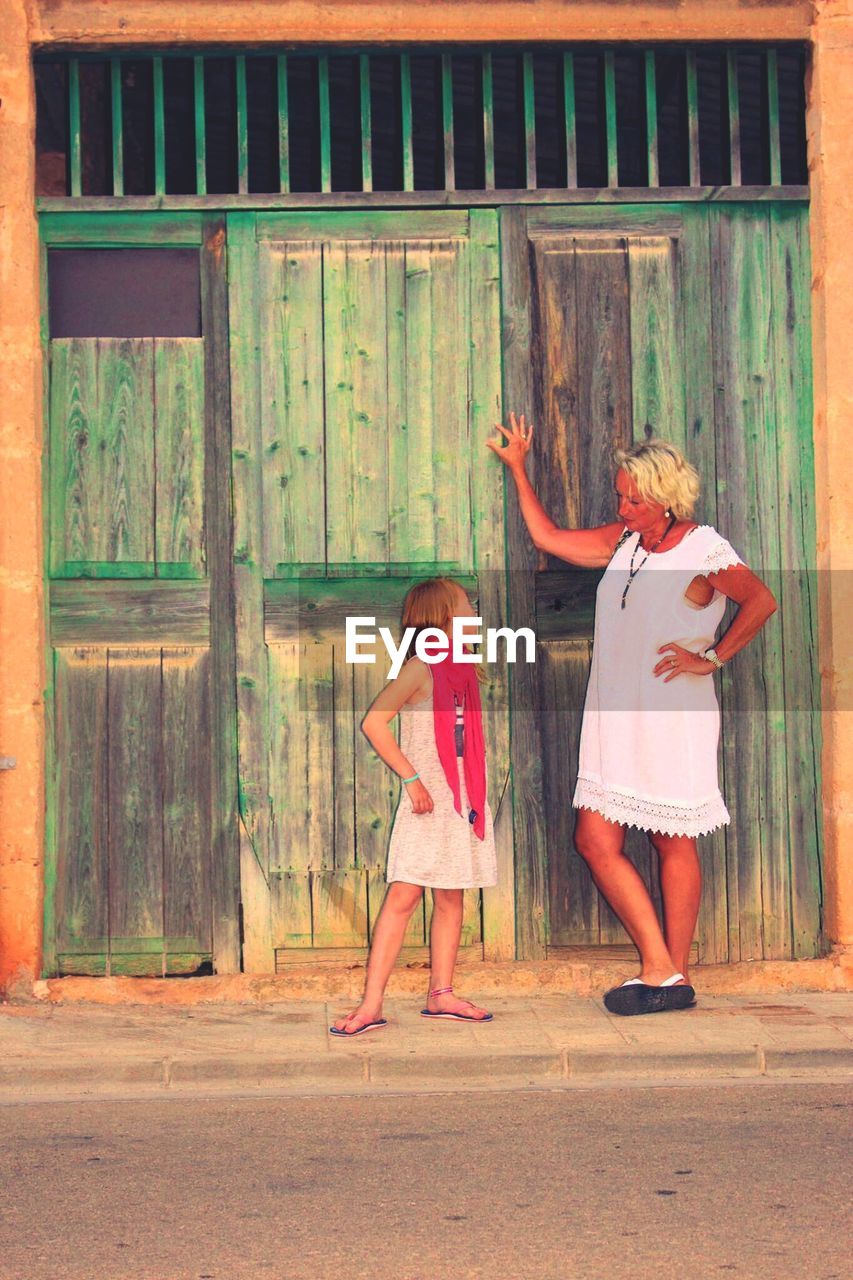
[(651, 815), (721, 556)]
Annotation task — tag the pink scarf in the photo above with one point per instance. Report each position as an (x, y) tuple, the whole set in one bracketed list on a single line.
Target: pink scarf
[(451, 677)]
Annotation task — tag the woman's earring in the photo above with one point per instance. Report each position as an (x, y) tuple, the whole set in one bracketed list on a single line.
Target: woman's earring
[(666, 513)]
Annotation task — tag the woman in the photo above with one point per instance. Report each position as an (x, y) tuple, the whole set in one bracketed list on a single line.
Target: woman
[(648, 743)]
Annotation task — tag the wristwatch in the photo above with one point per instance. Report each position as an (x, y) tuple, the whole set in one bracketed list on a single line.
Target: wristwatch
[(711, 655)]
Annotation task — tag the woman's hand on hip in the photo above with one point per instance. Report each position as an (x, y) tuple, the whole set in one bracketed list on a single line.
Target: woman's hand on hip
[(419, 796), (678, 660), (519, 437)]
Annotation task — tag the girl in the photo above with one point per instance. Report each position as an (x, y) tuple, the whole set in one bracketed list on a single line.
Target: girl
[(443, 833)]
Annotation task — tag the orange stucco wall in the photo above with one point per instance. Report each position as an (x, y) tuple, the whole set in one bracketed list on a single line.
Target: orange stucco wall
[(93, 23)]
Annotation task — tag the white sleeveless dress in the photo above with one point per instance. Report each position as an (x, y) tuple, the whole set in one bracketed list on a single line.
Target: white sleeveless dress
[(438, 849), (648, 749)]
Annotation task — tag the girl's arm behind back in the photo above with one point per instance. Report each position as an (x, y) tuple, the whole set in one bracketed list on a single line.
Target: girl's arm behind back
[(376, 723)]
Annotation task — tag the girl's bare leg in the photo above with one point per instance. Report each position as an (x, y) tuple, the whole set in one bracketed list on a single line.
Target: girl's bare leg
[(444, 935), (681, 889), (600, 843), (391, 924)]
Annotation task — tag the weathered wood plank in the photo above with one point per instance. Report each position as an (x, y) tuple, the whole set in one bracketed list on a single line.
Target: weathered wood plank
[(222, 757), (81, 834), (200, 129), (449, 410), (116, 127), (657, 354), (251, 654), (125, 441), (798, 605), (135, 783), (283, 124), (375, 786), (570, 115), (290, 892), (489, 552), (179, 456), (73, 419), (651, 95), (753, 712), (573, 898), (339, 907), (698, 375), (366, 130), (159, 128), (292, 405), (412, 481), (355, 381), (144, 612), (319, 607), (186, 726), (529, 828)]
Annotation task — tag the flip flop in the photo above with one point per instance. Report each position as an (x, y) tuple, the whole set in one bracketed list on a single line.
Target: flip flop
[(635, 996), (368, 1026), (456, 1017)]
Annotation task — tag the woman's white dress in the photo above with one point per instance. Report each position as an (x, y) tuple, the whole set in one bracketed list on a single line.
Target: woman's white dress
[(648, 749), (438, 849)]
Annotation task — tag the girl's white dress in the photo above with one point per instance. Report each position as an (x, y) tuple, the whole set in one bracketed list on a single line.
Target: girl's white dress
[(438, 849), (648, 749)]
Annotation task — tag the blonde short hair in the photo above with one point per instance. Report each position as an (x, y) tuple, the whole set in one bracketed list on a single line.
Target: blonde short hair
[(662, 474)]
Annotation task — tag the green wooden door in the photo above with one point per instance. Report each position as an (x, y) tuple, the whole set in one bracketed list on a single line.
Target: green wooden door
[(365, 378), (141, 874), (691, 323)]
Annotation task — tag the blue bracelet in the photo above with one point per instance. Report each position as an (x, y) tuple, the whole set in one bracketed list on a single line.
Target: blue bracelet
[(414, 775)]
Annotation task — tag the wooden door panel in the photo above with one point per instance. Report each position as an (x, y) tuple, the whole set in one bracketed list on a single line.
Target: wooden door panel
[(139, 816), (359, 465), (678, 323)]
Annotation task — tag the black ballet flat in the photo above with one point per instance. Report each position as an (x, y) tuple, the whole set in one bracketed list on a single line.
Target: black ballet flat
[(634, 997)]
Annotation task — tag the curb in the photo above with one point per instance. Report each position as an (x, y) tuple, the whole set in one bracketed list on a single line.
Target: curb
[(371, 1072)]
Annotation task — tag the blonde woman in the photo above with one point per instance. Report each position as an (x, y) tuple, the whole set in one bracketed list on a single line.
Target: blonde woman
[(651, 721)]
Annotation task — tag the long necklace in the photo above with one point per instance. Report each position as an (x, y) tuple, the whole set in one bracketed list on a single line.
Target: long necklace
[(632, 572)]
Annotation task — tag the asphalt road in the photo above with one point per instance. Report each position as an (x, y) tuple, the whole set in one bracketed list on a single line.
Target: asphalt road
[(692, 1182)]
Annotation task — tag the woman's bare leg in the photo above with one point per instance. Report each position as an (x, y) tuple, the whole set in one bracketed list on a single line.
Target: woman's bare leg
[(600, 843), (445, 932), (391, 924), (681, 889)]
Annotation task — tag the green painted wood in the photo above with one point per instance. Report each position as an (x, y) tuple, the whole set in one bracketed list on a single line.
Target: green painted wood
[(528, 813), (755, 775), (135, 769), (424, 200), (406, 122), (116, 127), (186, 720), (447, 122), (242, 125), (610, 140), (698, 378), (790, 284), (113, 227), (250, 655), (651, 119), (219, 553), (292, 403), (74, 140), (488, 124), (179, 448), (528, 97), (733, 106), (80, 783), (362, 224), (489, 562), (773, 118), (199, 127), (128, 612), (102, 430), (366, 131), (283, 125), (325, 125), (159, 128), (692, 119), (570, 117)]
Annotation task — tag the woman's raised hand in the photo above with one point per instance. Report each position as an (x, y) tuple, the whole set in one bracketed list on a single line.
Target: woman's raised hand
[(518, 435)]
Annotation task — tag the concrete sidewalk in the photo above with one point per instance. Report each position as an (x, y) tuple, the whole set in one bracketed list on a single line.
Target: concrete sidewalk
[(541, 1040)]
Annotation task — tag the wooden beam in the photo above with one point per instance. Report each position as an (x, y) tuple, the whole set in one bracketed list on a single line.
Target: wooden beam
[(528, 92), (693, 159), (200, 130), (610, 138), (159, 128), (570, 115), (447, 122), (74, 162), (325, 124), (366, 138), (733, 100), (488, 124), (283, 125), (773, 118), (651, 119), (116, 123), (242, 126), (406, 122)]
